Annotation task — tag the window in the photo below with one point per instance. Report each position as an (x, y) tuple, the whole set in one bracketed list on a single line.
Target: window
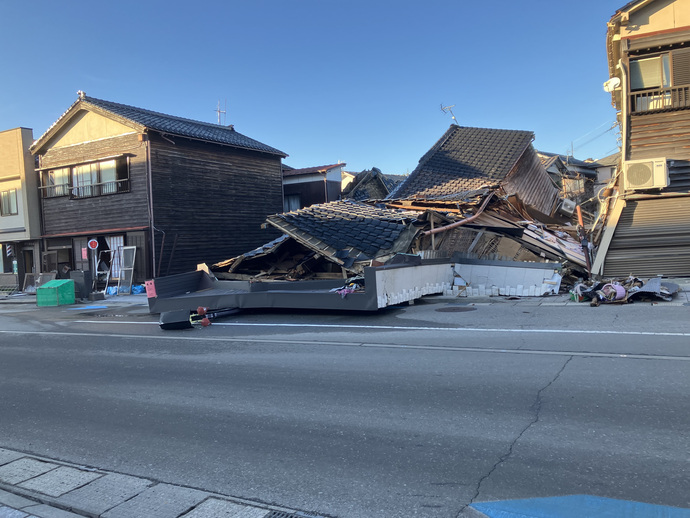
[(84, 180), (650, 73), (87, 180), (661, 81), (8, 203), (56, 183)]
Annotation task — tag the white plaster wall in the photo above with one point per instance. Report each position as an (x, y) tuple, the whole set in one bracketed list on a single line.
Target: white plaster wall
[(399, 285), (486, 280)]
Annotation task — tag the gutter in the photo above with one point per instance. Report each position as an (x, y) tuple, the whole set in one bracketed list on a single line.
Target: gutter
[(461, 222)]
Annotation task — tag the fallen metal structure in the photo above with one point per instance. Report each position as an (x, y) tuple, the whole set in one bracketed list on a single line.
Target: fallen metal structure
[(177, 297)]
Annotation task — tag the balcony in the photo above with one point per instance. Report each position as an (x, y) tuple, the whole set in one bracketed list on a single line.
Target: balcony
[(85, 191), (660, 99)]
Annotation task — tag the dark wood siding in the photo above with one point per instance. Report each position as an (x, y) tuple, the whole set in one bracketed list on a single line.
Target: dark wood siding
[(142, 272), (210, 202), (656, 135), (313, 192), (63, 215)]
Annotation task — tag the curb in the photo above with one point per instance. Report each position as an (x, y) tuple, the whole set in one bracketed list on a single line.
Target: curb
[(36, 487)]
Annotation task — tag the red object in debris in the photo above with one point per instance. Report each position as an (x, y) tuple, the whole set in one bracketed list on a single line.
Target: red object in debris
[(201, 310), (205, 322)]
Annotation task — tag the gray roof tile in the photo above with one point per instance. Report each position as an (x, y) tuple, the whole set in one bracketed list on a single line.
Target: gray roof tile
[(169, 125), (465, 159), (347, 224)]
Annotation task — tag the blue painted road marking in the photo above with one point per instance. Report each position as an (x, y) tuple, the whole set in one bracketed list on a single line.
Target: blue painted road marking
[(577, 506)]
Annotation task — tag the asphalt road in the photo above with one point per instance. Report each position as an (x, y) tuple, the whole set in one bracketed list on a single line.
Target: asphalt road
[(416, 411)]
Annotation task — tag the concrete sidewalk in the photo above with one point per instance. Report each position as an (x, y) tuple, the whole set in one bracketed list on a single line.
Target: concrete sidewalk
[(36, 487), (681, 298)]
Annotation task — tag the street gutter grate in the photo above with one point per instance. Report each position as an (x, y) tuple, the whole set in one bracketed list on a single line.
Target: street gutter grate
[(456, 309), (297, 514)]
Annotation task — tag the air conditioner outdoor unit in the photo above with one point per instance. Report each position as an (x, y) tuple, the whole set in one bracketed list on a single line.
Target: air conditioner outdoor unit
[(567, 207), (645, 174)]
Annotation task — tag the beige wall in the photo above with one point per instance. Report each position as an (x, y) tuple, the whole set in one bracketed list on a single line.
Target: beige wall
[(17, 172), (88, 126), (661, 15)]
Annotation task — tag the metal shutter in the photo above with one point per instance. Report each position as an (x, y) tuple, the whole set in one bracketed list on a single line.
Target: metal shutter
[(652, 238)]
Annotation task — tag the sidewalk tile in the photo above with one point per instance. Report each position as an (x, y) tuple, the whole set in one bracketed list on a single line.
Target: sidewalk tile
[(216, 508), (23, 469), (60, 481), (104, 493), (46, 511), (7, 456), (160, 501), (15, 501), (8, 512)]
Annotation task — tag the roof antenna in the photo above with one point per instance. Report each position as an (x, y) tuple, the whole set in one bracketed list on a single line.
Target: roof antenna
[(219, 111), (449, 109)]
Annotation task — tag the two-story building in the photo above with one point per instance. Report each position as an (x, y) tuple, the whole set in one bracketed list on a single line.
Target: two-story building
[(647, 229), (180, 191), (20, 227), (310, 185)]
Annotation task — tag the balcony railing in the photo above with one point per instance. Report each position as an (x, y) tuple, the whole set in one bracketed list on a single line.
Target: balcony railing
[(85, 191), (660, 99)]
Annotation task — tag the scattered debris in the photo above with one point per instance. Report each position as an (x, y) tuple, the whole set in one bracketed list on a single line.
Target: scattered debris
[(623, 291), (185, 319)]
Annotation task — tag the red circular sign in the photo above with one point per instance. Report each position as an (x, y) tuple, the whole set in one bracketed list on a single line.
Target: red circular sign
[(93, 244)]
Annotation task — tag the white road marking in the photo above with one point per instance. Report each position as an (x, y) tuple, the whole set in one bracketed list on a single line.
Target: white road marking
[(172, 336), (413, 328)]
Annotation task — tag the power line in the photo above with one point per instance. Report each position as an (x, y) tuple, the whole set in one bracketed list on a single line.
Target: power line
[(595, 129)]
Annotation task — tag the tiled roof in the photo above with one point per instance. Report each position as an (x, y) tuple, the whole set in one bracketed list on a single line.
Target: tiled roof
[(170, 125), (360, 231), (371, 185), (610, 160), (465, 159), (311, 170), (567, 159)]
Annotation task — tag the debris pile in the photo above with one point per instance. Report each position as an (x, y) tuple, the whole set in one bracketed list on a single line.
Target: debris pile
[(624, 291)]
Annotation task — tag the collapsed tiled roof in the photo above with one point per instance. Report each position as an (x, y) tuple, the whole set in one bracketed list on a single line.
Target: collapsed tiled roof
[(167, 124), (567, 159), (465, 159), (371, 185), (348, 229)]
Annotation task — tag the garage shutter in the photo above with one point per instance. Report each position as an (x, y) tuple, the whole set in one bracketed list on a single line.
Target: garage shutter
[(652, 238)]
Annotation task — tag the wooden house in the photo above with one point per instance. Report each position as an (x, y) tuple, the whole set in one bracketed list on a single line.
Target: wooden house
[(310, 185), (181, 191), (648, 218)]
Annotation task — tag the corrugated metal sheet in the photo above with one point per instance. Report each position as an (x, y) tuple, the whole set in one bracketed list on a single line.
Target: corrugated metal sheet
[(534, 187), (652, 238)]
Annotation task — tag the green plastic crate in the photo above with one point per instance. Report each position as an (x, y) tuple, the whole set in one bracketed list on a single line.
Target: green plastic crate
[(55, 293)]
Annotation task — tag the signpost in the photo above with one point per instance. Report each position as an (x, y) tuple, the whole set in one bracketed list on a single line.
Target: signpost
[(93, 245)]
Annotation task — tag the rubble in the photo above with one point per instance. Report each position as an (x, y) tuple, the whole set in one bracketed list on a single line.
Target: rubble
[(624, 291)]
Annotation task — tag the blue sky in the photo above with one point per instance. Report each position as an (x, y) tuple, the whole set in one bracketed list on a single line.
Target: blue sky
[(360, 82)]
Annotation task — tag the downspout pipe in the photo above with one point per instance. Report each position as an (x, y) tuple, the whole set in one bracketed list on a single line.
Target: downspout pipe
[(624, 111), (147, 143), (461, 222)]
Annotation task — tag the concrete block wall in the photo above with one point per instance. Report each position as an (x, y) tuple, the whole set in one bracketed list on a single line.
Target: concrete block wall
[(508, 279), (398, 285)]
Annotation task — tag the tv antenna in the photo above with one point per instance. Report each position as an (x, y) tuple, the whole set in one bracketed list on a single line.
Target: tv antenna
[(223, 112), (449, 109)]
